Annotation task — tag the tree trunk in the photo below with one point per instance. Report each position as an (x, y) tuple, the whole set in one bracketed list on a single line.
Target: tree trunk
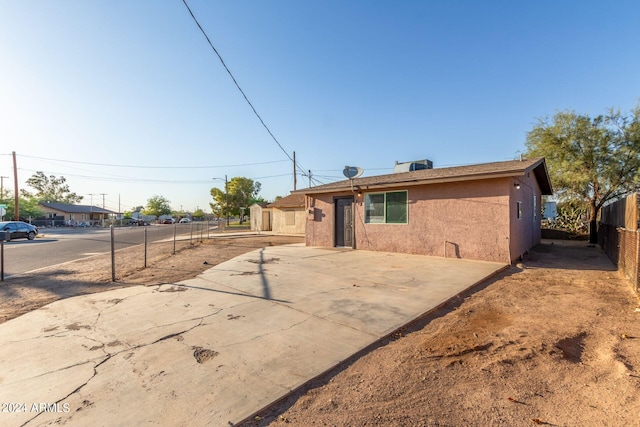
[(593, 222)]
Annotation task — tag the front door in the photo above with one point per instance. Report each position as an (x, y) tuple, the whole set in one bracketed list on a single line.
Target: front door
[(344, 222)]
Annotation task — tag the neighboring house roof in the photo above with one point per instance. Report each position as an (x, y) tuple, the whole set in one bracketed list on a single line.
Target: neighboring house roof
[(261, 204), (511, 168), (293, 200), (64, 207)]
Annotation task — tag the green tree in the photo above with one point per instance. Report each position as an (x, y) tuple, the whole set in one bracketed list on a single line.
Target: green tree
[(198, 213), (29, 207), (157, 206), (50, 189), (591, 160), (241, 192), (218, 204)]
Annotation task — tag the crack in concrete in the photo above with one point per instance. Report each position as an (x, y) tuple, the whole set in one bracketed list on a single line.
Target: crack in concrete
[(108, 356), (95, 373), (328, 320), (271, 333), (64, 368)]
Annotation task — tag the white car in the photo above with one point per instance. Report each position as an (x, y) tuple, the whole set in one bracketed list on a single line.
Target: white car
[(185, 221)]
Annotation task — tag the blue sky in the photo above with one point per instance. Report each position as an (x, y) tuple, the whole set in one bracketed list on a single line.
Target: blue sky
[(126, 98)]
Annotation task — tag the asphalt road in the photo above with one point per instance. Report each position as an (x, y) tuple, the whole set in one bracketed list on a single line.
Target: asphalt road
[(55, 246)]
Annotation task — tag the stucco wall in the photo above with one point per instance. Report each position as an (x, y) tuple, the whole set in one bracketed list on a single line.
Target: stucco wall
[(321, 220), (526, 231), (288, 220), (257, 215), (474, 220)]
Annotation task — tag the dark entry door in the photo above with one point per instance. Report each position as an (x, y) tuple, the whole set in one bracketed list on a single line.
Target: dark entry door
[(344, 222)]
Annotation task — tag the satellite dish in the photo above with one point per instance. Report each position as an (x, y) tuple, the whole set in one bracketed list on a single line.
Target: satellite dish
[(352, 171)]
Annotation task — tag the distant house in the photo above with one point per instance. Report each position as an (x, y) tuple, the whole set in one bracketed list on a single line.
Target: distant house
[(260, 217), (76, 215), (284, 216), (489, 211)]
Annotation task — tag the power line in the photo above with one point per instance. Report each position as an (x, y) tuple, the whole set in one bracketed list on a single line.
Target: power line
[(141, 180), (234, 80), (153, 167), (120, 178)]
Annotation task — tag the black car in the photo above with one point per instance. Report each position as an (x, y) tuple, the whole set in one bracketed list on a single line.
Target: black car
[(19, 229), (136, 221)]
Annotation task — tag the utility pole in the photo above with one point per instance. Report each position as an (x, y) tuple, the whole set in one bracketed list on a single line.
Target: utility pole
[(295, 176), (16, 207), (226, 190), (91, 208), (102, 213), (226, 196), (2, 187), (2, 192)]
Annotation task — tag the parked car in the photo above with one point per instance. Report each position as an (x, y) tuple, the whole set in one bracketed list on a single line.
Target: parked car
[(167, 221), (136, 221), (185, 221), (19, 229)]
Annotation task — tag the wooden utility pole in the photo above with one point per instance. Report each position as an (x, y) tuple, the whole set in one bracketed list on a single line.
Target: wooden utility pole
[(2, 187), (295, 176), (2, 193), (16, 207), (102, 213)]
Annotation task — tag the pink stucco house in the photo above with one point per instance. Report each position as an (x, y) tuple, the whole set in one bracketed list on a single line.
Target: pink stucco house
[(487, 211)]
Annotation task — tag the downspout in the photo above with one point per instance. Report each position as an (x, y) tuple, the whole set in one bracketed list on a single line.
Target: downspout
[(353, 224)]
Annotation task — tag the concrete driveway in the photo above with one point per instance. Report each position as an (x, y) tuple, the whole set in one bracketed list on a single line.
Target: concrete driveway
[(218, 348)]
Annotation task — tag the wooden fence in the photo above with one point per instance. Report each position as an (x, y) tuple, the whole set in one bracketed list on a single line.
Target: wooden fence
[(619, 236)]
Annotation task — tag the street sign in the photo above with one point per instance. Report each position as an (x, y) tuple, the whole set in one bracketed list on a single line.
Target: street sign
[(3, 206)]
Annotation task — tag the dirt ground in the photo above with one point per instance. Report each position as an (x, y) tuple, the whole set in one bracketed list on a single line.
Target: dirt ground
[(554, 340)]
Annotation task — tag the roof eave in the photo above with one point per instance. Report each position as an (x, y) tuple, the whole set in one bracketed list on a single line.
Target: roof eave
[(442, 180)]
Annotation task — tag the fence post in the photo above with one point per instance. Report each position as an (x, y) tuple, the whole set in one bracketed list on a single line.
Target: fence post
[(191, 234), (145, 247), (113, 257), (1, 260), (637, 261), (174, 239)]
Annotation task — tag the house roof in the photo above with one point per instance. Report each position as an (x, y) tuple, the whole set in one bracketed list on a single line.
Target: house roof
[(261, 204), (68, 208), (511, 168), (293, 200)]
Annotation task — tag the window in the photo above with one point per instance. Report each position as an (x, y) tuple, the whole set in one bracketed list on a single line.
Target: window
[(374, 208), (289, 218), (386, 208), (519, 210)]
